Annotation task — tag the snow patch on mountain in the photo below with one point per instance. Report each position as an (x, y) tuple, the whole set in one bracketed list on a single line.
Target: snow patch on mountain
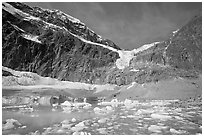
[(126, 56), (16, 27), (64, 16), (145, 47), (31, 37), (93, 43), (174, 32), (9, 8)]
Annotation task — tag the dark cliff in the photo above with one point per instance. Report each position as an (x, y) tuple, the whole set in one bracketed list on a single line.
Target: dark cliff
[(48, 43)]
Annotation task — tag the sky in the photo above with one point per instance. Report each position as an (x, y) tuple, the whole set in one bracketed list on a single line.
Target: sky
[(129, 24)]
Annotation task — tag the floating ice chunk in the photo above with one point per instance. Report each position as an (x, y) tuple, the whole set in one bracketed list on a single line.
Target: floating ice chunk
[(155, 129), (80, 126), (160, 116), (67, 103), (102, 130), (77, 105), (26, 110), (66, 125), (103, 120), (179, 118), (104, 110), (174, 131), (113, 103), (123, 117), (67, 109), (144, 111), (97, 109), (159, 102), (73, 120), (130, 116), (127, 102), (178, 109), (76, 133), (130, 104), (10, 124), (87, 106), (60, 131), (109, 108)]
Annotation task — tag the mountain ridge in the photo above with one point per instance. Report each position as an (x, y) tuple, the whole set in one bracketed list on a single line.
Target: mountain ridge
[(54, 44)]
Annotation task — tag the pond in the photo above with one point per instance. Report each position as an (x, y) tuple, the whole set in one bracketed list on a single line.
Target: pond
[(129, 117)]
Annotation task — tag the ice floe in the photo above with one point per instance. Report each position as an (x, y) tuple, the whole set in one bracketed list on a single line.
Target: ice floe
[(157, 129), (160, 116), (10, 124), (103, 110)]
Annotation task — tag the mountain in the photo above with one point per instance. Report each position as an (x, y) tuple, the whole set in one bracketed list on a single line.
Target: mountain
[(178, 56), (51, 43), (56, 45), (182, 50)]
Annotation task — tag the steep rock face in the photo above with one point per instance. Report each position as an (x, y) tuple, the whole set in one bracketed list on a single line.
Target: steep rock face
[(51, 43), (183, 50), (178, 56), (61, 19)]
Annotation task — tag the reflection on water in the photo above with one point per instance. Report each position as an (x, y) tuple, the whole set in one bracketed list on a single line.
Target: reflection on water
[(41, 117)]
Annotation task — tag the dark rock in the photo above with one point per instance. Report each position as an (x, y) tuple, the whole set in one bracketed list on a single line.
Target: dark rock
[(6, 73), (59, 54)]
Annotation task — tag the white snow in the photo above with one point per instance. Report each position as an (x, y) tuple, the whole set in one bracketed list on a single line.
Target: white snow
[(126, 56), (133, 83), (145, 47), (93, 43), (31, 37), (9, 8), (63, 15), (174, 32), (32, 18), (135, 70), (16, 27), (12, 10)]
